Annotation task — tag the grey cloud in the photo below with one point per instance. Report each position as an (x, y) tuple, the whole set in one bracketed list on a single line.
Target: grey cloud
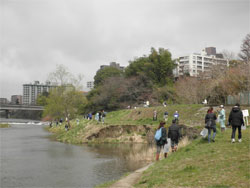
[(83, 34)]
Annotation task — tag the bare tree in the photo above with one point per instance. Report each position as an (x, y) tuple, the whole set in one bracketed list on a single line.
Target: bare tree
[(245, 49), (62, 77), (229, 55)]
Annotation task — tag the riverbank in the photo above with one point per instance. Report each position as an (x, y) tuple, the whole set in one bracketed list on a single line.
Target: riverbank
[(200, 164), (133, 125), (130, 125), (4, 125)]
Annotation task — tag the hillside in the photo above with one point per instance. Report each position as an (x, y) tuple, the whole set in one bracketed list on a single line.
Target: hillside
[(200, 164), (132, 125)]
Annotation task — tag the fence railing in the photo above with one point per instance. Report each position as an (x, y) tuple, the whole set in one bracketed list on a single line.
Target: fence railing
[(242, 98)]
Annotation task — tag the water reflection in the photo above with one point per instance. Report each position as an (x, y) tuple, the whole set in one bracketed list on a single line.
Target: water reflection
[(30, 159)]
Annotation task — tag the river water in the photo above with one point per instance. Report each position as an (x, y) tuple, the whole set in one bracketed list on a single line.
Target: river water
[(29, 158)]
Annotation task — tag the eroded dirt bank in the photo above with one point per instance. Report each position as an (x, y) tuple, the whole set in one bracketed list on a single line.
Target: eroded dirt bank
[(133, 133)]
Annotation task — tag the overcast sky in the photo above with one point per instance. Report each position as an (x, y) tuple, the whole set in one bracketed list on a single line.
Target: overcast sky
[(37, 35)]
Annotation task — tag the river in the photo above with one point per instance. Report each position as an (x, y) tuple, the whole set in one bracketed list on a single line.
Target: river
[(29, 158)]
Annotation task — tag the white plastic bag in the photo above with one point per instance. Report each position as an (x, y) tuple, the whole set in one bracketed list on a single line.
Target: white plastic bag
[(204, 132), (243, 127)]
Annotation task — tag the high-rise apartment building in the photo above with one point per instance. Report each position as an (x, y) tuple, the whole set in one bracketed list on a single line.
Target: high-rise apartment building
[(31, 91), (16, 99), (90, 85), (196, 63)]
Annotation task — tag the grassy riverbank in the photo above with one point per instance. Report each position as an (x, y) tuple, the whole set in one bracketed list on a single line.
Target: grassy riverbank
[(219, 164), (130, 125), (200, 164), (4, 125), (126, 125)]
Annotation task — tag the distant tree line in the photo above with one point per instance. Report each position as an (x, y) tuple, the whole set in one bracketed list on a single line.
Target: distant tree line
[(146, 78)]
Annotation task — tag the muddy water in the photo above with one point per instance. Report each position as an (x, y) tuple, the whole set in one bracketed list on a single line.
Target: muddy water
[(30, 159)]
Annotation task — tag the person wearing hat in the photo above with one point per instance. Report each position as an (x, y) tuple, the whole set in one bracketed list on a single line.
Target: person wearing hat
[(222, 118), (236, 121)]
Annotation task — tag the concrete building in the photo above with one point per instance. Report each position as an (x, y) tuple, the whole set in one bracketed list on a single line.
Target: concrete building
[(31, 91), (90, 85), (113, 64), (4, 101), (196, 63), (16, 99)]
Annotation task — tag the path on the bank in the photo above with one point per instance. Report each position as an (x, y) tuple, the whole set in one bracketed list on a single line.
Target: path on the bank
[(130, 180)]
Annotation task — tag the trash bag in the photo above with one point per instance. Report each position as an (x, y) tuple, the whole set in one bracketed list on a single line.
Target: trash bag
[(204, 133)]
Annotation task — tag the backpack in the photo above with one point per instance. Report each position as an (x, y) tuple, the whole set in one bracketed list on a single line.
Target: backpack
[(208, 124), (158, 134)]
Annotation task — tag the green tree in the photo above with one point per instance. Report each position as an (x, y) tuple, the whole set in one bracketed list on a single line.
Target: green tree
[(42, 99), (105, 73), (64, 102), (158, 67)]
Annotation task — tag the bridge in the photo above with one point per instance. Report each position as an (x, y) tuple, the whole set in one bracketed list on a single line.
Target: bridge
[(12, 107), (20, 107)]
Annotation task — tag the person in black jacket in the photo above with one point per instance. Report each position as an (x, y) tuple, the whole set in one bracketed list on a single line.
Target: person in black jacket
[(210, 119), (236, 120), (174, 135), (162, 143)]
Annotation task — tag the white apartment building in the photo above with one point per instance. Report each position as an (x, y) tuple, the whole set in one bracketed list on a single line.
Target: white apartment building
[(31, 91), (90, 85), (195, 63)]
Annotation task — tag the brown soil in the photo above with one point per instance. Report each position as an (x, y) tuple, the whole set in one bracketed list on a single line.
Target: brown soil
[(132, 133), (123, 133)]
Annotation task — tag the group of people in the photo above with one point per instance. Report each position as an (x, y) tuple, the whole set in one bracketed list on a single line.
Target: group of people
[(100, 116), (165, 116), (168, 138), (235, 120), (173, 135)]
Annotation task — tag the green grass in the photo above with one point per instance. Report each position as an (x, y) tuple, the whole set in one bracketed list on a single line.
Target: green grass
[(4, 125), (190, 115), (203, 164)]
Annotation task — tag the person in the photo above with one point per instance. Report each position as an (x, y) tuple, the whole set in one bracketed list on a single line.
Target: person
[(100, 116), (205, 102), (236, 121), (210, 119), (222, 118), (66, 126), (174, 135), (90, 116), (61, 120), (103, 116), (176, 117), (147, 103), (155, 116), (164, 104), (162, 143), (97, 116), (165, 117)]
